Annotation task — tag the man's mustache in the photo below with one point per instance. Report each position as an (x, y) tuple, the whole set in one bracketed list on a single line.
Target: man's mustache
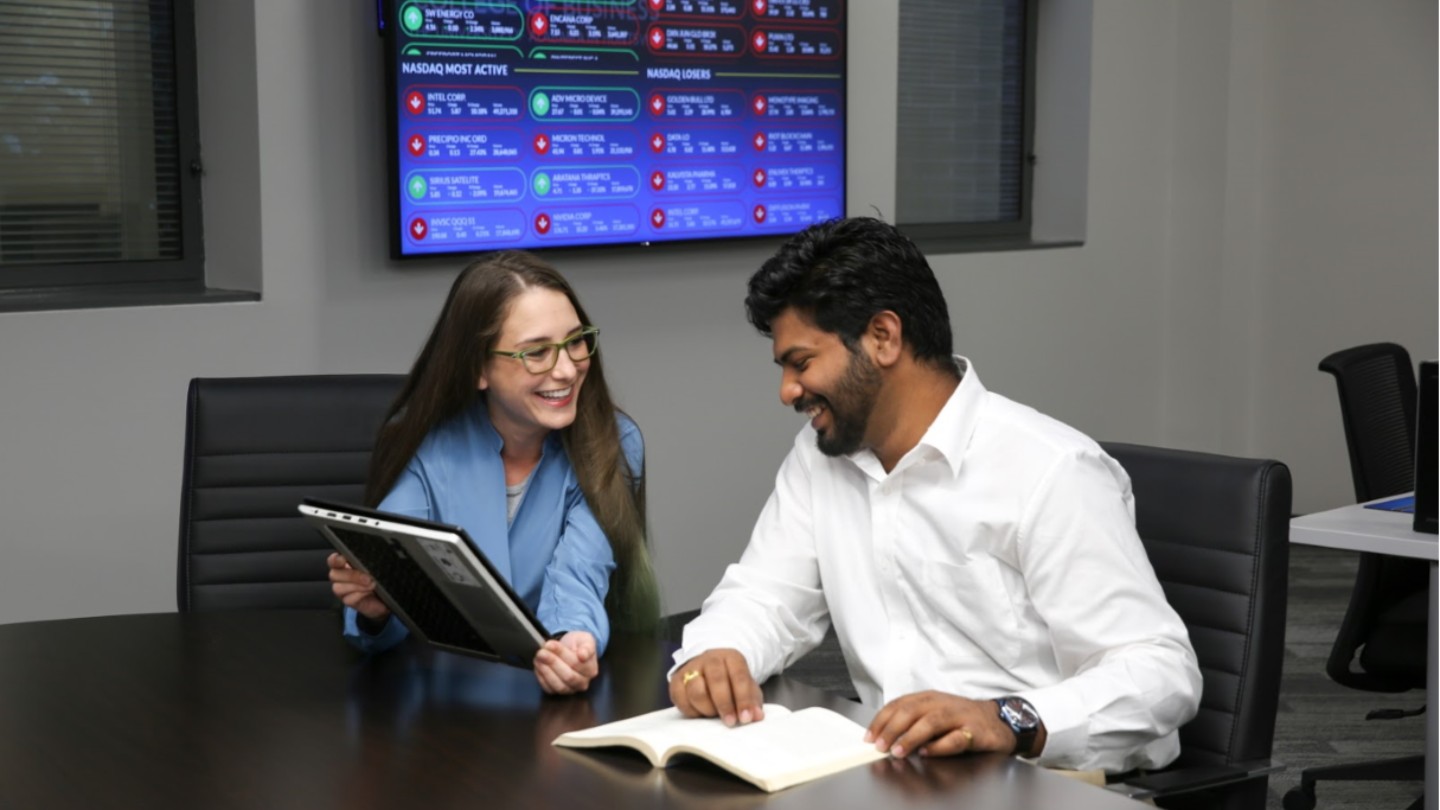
[(806, 403)]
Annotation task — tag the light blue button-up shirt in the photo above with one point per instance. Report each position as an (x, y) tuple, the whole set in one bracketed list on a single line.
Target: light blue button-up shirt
[(554, 554)]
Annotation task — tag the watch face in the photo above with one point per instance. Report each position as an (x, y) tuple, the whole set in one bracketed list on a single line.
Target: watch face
[(1019, 714)]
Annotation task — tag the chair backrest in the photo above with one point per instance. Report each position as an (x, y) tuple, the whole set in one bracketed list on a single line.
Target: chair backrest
[(1217, 532), (1377, 406), (254, 447), (1378, 397)]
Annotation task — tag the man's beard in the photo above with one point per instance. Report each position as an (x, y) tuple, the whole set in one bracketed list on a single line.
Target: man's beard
[(850, 405)]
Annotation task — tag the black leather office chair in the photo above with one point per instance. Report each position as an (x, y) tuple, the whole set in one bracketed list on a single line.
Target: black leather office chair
[(1217, 531), (1385, 622), (254, 447)]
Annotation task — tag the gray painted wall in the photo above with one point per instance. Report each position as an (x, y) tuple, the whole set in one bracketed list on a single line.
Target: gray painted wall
[(1261, 191)]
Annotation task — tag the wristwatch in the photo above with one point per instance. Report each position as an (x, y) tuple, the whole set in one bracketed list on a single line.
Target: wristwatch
[(1017, 713)]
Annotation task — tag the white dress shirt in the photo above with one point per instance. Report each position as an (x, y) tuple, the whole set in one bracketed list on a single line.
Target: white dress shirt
[(998, 557)]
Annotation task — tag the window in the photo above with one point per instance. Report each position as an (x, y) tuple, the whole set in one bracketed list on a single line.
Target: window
[(99, 152), (964, 107)]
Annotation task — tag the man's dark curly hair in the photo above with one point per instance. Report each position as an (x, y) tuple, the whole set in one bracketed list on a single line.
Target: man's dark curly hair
[(841, 273)]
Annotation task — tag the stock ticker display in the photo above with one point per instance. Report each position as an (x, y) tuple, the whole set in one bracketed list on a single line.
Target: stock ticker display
[(546, 124)]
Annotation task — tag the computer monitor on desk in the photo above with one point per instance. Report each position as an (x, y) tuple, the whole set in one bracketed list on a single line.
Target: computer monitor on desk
[(1425, 450)]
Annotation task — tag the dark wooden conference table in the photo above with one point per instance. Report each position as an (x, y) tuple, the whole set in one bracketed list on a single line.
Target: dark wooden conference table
[(273, 710)]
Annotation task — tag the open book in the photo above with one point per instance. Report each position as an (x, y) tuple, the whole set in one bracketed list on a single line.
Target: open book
[(786, 748)]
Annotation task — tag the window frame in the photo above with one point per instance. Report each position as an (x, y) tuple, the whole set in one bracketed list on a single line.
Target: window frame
[(54, 285), (962, 236)]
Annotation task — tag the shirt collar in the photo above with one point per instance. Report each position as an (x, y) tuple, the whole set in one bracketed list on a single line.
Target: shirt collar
[(947, 436), (480, 415), (950, 433)]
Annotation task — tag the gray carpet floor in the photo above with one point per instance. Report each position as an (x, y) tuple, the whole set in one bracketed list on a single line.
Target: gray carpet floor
[(1319, 721)]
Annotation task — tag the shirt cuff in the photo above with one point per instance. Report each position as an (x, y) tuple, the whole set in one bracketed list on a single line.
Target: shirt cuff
[(701, 647), (1067, 725), (392, 632), (369, 626)]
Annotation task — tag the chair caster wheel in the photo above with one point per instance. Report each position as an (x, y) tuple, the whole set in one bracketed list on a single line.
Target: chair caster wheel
[(1299, 798)]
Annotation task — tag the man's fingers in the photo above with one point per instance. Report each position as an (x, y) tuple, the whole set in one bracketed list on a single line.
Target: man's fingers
[(678, 696), (680, 687), (957, 741), (716, 675), (879, 721), (923, 728), (697, 689), (717, 683), (748, 700), (891, 722)]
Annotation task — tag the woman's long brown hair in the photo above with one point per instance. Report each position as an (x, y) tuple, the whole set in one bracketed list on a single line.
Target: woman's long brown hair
[(442, 384)]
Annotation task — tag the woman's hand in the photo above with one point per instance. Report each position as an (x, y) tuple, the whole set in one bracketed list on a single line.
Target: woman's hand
[(356, 589), (567, 666)]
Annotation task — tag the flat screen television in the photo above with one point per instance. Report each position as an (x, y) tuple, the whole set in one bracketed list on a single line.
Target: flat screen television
[(536, 124)]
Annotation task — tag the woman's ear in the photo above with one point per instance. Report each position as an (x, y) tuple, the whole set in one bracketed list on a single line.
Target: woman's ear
[(885, 334), (482, 383)]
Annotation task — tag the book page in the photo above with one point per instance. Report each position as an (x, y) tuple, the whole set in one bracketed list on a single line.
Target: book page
[(782, 751), (655, 733)]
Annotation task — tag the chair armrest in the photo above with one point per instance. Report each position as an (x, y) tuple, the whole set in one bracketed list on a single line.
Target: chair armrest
[(1196, 777)]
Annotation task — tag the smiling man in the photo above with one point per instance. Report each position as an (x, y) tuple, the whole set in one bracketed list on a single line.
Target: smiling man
[(978, 559)]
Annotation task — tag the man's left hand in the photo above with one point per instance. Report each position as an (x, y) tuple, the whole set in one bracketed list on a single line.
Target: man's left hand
[(938, 724)]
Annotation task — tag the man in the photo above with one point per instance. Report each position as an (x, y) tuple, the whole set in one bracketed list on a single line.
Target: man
[(978, 559)]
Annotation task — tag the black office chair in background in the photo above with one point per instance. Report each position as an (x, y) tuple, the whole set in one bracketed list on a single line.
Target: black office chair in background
[(254, 447), (1217, 532), (1385, 622)]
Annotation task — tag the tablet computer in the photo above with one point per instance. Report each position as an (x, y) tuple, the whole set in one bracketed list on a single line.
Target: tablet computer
[(435, 579)]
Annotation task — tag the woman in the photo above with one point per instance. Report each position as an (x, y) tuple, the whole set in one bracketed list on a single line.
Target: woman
[(506, 428)]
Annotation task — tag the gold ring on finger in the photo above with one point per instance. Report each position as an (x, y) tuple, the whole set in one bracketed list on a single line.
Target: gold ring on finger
[(690, 676)]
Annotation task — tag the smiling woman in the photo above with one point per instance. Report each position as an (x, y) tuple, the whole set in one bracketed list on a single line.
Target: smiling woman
[(505, 426)]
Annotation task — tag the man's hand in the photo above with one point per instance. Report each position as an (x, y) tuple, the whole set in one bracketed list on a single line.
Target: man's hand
[(355, 589), (717, 683), (567, 665), (938, 724)]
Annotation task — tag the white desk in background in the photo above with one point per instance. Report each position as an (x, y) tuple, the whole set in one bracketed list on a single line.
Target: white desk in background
[(1355, 528)]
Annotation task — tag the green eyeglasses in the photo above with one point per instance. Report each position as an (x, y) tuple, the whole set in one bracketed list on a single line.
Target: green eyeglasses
[(542, 357)]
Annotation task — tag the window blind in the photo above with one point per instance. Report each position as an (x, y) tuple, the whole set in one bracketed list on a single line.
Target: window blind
[(961, 112), (90, 164)]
